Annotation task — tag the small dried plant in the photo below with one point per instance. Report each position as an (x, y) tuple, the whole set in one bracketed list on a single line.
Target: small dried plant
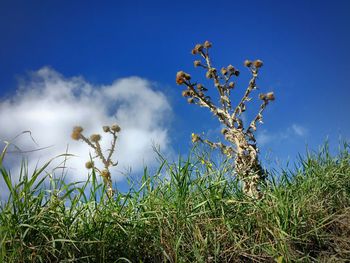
[(94, 143), (242, 141)]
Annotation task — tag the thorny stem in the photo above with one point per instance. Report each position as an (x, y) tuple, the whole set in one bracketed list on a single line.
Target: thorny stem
[(250, 88), (246, 162), (94, 143), (111, 151)]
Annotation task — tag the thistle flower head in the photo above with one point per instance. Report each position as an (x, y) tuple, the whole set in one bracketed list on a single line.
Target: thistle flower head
[(231, 68), (89, 165), (76, 134), (186, 93), (223, 71), (106, 128), (198, 48), (190, 100), (197, 63), (209, 75), (181, 77), (258, 63), (270, 96), (115, 128), (262, 96), (248, 63), (207, 44), (95, 138)]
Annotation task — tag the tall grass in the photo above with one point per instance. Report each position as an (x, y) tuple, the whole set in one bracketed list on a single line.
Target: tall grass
[(188, 211)]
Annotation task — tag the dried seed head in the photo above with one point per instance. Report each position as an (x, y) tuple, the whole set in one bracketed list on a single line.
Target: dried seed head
[(198, 48), (223, 71), (180, 77), (106, 128), (236, 72), (212, 70), (78, 129), (197, 63), (248, 63), (207, 44), (258, 63), (76, 134), (209, 75), (89, 165), (270, 96), (190, 100), (187, 76), (195, 138), (231, 85), (105, 173), (95, 137), (231, 68), (186, 93), (115, 128), (262, 96)]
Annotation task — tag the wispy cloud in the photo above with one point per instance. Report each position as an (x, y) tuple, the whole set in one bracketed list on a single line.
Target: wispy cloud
[(49, 105), (299, 130), (265, 137)]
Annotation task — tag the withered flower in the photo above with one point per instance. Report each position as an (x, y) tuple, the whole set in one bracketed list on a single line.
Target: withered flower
[(197, 63), (186, 93), (231, 68), (207, 44), (115, 128), (258, 63), (106, 128), (270, 96), (262, 96), (248, 63), (190, 100), (223, 71), (198, 48), (181, 77), (95, 137), (209, 75), (76, 134), (89, 165)]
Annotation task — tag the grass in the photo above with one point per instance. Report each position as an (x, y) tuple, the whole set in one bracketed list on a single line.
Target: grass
[(189, 211)]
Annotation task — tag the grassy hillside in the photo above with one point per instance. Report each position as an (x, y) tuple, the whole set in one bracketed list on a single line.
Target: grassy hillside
[(189, 211)]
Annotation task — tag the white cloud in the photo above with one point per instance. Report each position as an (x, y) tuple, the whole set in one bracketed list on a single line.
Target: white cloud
[(299, 130), (264, 137), (49, 105)]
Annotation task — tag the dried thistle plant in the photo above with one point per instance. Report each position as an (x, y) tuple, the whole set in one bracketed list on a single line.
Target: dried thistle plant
[(94, 143), (242, 141)]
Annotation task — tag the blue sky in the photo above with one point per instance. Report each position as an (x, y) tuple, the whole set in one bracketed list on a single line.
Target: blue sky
[(304, 46)]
